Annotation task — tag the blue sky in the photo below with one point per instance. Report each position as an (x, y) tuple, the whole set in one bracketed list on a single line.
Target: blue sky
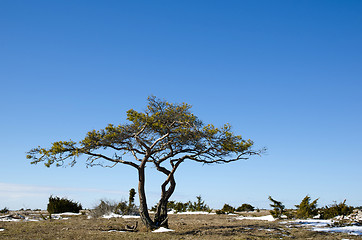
[(286, 74)]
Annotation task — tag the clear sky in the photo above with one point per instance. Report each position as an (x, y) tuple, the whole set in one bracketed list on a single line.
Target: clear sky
[(286, 74)]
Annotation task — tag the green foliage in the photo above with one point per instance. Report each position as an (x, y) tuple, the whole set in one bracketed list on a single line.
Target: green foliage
[(278, 208), (227, 208), (307, 209), (170, 130), (181, 207), (60, 205), (131, 208), (245, 208), (122, 208), (341, 209), (199, 205), (4, 210)]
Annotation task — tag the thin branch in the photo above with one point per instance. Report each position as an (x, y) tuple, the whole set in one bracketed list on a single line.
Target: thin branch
[(112, 160)]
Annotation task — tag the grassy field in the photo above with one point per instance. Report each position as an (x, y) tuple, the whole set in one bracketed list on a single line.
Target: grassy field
[(185, 226)]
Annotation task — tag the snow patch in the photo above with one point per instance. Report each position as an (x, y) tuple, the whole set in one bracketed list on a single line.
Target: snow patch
[(313, 222), (162, 229), (263, 218), (130, 216), (67, 214), (1, 229), (114, 215), (115, 231), (195, 213), (352, 230), (325, 226)]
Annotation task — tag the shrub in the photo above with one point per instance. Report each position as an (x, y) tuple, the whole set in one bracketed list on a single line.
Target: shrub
[(125, 208), (60, 205), (4, 210), (341, 209), (171, 205), (307, 209), (245, 208), (106, 207), (181, 207), (219, 212), (199, 205), (227, 208), (131, 208), (278, 208)]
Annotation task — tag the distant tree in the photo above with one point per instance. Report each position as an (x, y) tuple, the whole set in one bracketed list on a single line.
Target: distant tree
[(164, 135), (131, 206), (4, 210), (61, 205), (341, 209), (245, 208), (181, 207), (227, 208), (278, 208), (199, 205), (307, 209)]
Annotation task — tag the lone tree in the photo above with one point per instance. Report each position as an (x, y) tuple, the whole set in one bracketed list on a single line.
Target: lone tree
[(164, 135)]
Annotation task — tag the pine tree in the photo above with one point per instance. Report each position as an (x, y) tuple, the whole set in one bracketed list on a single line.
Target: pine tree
[(278, 208), (307, 209)]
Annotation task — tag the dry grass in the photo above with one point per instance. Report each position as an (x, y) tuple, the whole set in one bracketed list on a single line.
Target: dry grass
[(185, 226)]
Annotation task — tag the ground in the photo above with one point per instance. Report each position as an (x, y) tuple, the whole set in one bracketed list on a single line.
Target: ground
[(184, 226)]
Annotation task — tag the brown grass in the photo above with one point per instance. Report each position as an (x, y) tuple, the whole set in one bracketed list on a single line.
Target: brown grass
[(185, 226)]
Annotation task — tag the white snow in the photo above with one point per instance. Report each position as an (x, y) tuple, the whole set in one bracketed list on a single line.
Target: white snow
[(130, 216), (324, 226), (67, 214), (1, 229), (312, 222), (263, 218), (114, 215), (162, 229), (10, 220), (195, 213), (352, 230)]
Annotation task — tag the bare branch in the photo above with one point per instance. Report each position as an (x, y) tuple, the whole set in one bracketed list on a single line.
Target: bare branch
[(111, 160)]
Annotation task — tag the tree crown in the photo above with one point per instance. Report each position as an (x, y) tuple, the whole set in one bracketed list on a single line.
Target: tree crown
[(163, 132)]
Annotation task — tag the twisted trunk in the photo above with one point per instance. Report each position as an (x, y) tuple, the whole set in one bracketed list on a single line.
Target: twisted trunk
[(161, 218), (145, 217)]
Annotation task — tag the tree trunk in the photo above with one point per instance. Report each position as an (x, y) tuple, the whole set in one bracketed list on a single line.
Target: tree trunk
[(143, 202), (161, 218)]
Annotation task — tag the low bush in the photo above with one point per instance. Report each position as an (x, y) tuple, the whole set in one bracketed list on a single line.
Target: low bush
[(60, 205), (181, 207), (226, 209), (341, 209), (4, 210), (245, 208), (278, 208), (307, 209), (106, 207), (125, 208), (199, 205)]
